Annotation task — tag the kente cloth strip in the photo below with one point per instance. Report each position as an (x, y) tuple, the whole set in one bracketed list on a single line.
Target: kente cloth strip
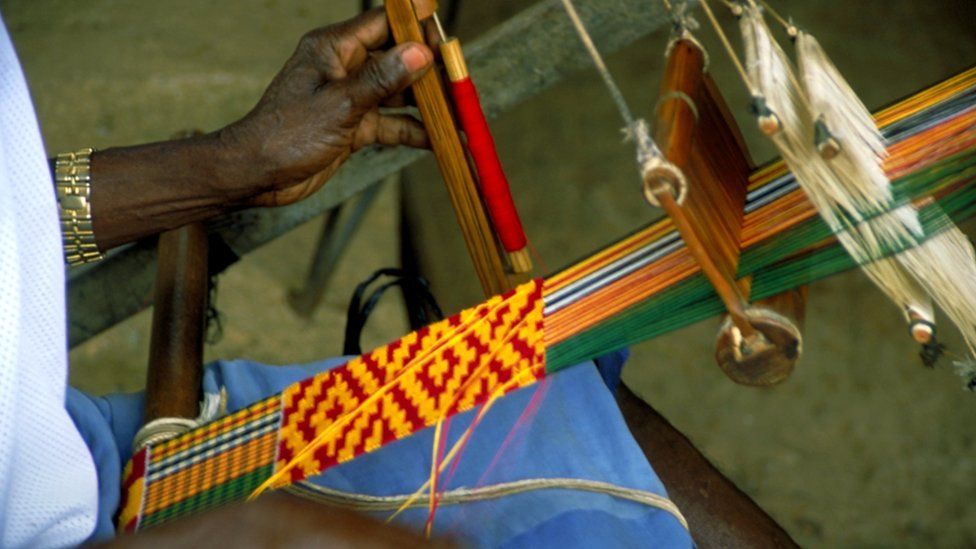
[(641, 286)]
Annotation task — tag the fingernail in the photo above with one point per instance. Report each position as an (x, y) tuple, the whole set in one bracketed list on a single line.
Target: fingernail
[(415, 58)]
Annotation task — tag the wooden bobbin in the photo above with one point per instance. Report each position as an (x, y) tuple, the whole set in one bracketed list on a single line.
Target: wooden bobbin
[(697, 134), (759, 367), (174, 376), (456, 68)]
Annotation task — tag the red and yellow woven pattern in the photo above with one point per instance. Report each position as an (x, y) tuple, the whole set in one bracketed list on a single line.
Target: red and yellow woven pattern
[(412, 383), (612, 299), (388, 394), (201, 468)]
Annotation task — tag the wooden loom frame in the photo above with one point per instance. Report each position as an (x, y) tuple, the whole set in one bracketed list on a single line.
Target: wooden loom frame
[(719, 513), (699, 93)]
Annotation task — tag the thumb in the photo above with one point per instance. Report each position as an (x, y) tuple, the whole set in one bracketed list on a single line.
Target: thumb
[(388, 74)]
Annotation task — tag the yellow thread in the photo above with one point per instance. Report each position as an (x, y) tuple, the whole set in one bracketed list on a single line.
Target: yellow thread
[(498, 393), (513, 331), (433, 475), (348, 416), (497, 349), (419, 361)]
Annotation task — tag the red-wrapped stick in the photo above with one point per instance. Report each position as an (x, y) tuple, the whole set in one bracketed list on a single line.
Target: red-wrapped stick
[(481, 146)]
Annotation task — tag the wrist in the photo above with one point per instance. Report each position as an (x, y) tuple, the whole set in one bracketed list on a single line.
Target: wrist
[(230, 179), (142, 190), (243, 170)]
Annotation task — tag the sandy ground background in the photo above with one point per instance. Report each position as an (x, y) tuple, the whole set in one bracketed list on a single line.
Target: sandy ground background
[(861, 447)]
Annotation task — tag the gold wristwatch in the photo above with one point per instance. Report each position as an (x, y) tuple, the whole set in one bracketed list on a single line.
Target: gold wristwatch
[(72, 181)]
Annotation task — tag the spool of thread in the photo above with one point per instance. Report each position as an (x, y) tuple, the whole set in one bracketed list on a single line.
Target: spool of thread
[(481, 146)]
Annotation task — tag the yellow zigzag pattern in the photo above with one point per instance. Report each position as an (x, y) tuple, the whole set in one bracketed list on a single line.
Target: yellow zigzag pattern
[(410, 384)]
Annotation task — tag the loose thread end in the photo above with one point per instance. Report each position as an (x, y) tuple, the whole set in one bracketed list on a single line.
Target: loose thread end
[(931, 352)]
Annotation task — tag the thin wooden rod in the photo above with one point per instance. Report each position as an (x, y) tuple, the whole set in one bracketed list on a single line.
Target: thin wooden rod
[(451, 158), (727, 291)]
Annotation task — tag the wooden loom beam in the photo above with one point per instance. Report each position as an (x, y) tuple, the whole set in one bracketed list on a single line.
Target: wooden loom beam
[(719, 514), (175, 372)]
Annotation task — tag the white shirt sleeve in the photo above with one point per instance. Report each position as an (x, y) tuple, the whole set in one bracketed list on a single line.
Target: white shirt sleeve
[(48, 484)]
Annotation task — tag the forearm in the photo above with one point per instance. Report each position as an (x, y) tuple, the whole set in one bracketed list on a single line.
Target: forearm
[(319, 109), (146, 189)]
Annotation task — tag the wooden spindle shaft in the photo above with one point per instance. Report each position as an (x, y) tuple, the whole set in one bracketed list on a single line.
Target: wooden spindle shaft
[(451, 158), (173, 384), (727, 291), (757, 345), (675, 123)]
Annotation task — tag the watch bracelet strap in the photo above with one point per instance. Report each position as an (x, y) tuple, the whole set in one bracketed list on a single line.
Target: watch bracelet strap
[(72, 181)]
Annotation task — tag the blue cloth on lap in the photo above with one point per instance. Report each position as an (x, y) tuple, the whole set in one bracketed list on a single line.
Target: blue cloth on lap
[(576, 432)]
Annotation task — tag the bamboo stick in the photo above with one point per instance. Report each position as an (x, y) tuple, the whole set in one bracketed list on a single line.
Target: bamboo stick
[(446, 143)]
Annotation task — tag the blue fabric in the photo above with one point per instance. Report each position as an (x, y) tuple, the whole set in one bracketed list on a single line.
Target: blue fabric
[(611, 366), (576, 431), (108, 425)]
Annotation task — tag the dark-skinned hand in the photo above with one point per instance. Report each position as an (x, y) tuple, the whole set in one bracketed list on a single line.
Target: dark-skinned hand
[(322, 106)]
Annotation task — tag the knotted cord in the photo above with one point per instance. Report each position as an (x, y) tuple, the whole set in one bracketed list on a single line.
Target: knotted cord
[(649, 155)]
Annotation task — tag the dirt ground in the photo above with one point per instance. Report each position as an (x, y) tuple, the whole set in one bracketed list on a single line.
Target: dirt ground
[(861, 447)]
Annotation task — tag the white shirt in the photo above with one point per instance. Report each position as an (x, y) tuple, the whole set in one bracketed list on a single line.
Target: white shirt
[(48, 485)]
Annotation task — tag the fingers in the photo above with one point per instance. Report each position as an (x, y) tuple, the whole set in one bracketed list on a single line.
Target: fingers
[(370, 29), (386, 75), (336, 50), (391, 131), (398, 101)]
